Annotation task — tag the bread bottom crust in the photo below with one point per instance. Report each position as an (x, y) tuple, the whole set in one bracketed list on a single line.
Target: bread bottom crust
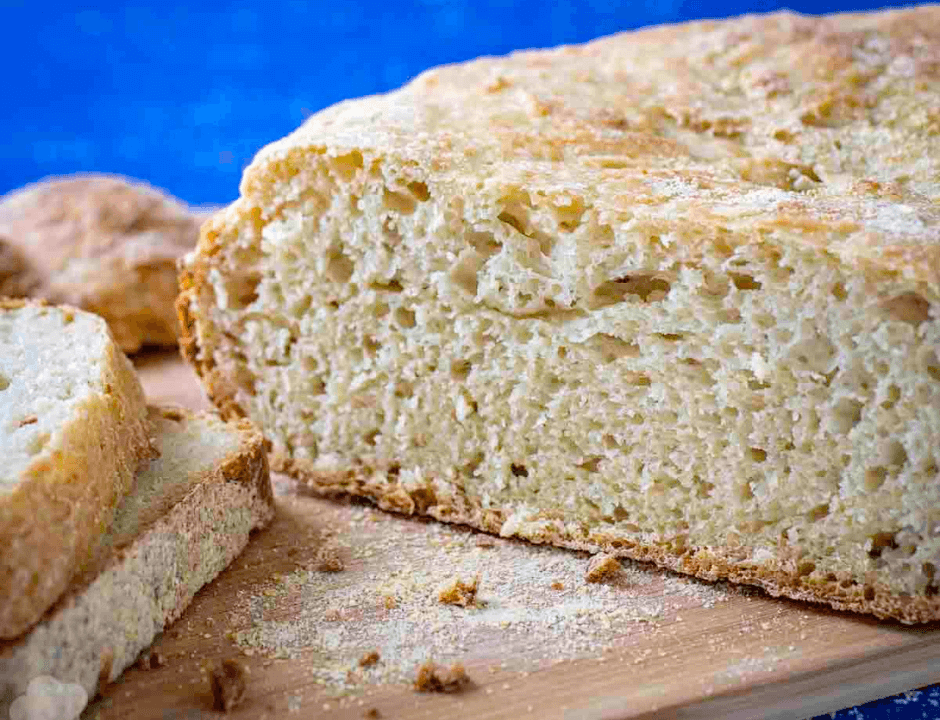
[(779, 577)]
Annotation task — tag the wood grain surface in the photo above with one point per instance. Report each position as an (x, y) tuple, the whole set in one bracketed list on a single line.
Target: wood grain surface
[(741, 655)]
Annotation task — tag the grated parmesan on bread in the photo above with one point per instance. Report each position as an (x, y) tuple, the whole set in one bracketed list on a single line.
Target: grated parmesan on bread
[(188, 516), (73, 430), (671, 295)]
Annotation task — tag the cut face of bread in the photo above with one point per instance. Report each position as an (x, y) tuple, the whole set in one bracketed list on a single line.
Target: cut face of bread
[(674, 295), (73, 431), (188, 516)]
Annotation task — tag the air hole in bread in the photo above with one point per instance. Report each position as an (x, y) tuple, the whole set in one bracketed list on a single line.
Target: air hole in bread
[(346, 166), (670, 337), (839, 292), (391, 234), (894, 454), (703, 489), (757, 454), (933, 366), (371, 437), (519, 470), (4, 382), (570, 216), (404, 389), (846, 414), (619, 514), (818, 513), (464, 274), (241, 290), (610, 348), (371, 345), (484, 243), (301, 307), (875, 478), (805, 568), (591, 464), (880, 542), (471, 467), (743, 281), (398, 202), (648, 288), (391, 286), (460, 369), (404, 317), (419, 190), (339, 268), (513, 221), (908, 307)]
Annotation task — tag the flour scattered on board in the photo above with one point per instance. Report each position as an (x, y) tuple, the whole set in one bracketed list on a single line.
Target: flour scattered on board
[(533, 604)]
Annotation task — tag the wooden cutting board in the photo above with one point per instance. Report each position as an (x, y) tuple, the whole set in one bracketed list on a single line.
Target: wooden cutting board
[(699, 652)]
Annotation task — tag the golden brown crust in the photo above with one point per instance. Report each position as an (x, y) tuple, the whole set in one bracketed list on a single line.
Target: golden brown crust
[(788, 579), (770, 120), (75, 490), (105, 244), (17, 277)]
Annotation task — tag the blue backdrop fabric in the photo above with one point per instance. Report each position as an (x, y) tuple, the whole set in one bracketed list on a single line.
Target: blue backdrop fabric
[(182, 95)]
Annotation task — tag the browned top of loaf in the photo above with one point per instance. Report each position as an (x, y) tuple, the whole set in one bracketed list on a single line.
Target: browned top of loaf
[(821, 131)]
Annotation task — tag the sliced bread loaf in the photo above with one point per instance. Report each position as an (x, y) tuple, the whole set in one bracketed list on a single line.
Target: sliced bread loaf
[(673, 294), (73, 431), (188, 516)]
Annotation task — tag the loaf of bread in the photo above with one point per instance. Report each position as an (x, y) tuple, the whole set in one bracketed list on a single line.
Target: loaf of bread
[(188, 516), (672, 294), (102, 243), (73, 431), (17, 277)]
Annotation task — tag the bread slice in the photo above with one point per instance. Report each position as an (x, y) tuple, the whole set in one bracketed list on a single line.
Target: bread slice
[(103, 243), (673, 295), (73, 430), (188, 516)]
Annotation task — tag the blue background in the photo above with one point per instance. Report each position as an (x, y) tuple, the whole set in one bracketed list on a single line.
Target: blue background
[(183, 96)]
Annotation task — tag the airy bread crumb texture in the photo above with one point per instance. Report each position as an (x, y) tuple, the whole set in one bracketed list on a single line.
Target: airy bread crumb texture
[(73, 431), (552, 298)]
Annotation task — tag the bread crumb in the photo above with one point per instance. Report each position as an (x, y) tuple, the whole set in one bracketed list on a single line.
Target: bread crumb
[(602, 567), (104, 669), (229, 682), (372, 713), (390, 602), (369, 659), (433, 679), (328, 560), (150, 660), (458, 592), (558, 585)]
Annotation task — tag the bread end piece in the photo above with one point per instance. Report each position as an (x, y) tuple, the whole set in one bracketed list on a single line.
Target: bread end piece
[(190, 514), (75, 431)]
